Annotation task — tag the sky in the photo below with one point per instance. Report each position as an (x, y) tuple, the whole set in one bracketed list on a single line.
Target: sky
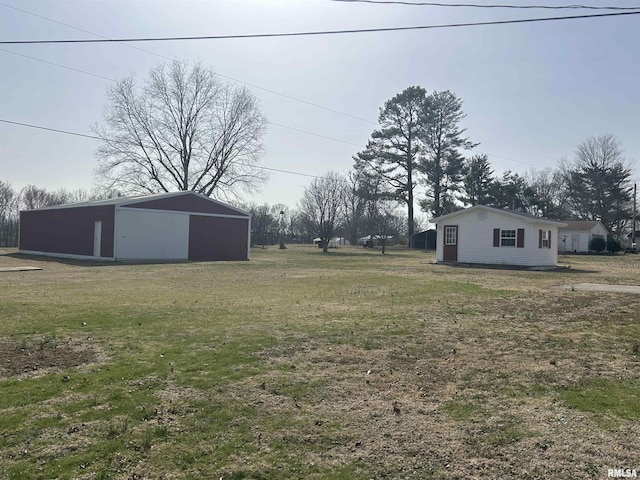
[(531, 92)]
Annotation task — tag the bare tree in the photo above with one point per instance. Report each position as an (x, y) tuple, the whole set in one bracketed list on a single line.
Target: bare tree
[(384, 222), (183, 130), (322, 206), (8, 216), (548, 192), (354, 204), (32, 197)]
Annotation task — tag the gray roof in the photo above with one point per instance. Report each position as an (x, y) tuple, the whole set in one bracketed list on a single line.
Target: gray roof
[(137, 199), (513, 213), (581, 224)]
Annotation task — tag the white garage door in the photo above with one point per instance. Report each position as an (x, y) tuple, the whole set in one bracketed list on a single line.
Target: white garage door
[(147, 234)]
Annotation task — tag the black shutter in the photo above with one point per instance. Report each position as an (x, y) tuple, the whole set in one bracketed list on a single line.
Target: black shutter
[(496, 237), (520, 238)]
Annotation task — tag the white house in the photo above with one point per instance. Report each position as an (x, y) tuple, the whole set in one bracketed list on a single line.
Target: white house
[(487, 235), (577, 235)]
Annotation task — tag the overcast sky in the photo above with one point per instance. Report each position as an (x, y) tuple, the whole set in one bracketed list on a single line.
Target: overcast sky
[(531, 92)]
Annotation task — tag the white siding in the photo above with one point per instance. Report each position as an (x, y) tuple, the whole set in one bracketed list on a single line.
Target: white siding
[(585, 238), (147, 234), (475, 240), (599, 230)]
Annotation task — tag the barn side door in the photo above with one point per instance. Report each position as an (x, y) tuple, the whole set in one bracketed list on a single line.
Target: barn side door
[(450, 245), (97, 238)]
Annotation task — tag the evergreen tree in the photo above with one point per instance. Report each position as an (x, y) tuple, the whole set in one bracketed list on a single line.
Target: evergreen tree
[(477, 181), (512, 192), (442, 163), (393, 150)]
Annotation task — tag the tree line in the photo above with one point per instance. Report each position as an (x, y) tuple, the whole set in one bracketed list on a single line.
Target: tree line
[(420, 143), (329, 208), (184, 129), (420, 147)]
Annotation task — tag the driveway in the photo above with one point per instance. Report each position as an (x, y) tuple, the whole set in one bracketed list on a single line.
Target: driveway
[(601, 287)]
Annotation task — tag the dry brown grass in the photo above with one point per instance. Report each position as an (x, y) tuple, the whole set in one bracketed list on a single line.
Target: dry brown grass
[(351, 365)]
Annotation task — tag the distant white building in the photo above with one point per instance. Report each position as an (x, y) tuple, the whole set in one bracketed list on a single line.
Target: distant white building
[(577, 235), (333, 242), (487, 235)]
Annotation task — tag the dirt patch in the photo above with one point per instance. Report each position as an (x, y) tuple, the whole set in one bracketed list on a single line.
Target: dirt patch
[(38, 356)]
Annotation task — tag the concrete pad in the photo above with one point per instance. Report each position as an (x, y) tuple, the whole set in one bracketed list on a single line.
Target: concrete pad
[(601, 287), (19, 269)]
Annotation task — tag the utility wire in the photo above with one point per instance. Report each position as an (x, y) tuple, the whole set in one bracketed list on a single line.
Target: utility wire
[(483, 5), (316, 134), (76, 134), (50, 129), (315, 33), (57, 65), (115, 81), (66, 132), (106, 39), (252, 85)]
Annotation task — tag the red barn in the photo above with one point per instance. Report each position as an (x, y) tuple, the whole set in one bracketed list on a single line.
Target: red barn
[(167, 226)]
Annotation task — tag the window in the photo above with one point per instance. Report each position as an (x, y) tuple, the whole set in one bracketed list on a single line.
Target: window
[(545, 239), (507, 238), (450, 234)]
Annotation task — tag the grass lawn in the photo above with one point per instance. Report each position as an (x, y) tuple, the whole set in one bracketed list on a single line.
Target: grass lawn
[(301, 365)]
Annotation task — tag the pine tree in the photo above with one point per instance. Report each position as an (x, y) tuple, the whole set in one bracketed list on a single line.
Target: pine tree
[(477, 181), (442, 163), (393, 150)]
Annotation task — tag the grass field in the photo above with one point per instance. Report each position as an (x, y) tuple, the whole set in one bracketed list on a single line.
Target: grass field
[(299, 365)]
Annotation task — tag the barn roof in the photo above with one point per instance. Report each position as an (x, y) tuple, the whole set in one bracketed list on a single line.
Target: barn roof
[(503, 211), (127, 201)]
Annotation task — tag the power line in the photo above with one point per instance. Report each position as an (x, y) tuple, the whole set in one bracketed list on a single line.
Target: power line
[(476, 5), (274, 169), (316, 134), (50, 129), (315, 33), (252, 85), (76, 134), (58, 65), (115, 81), (216, 74), (270, 123)]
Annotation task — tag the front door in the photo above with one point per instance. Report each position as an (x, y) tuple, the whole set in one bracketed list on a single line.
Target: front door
[(97, 238), (450, 247)]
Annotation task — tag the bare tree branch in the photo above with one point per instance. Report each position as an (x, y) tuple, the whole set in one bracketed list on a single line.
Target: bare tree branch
[(184, 130)]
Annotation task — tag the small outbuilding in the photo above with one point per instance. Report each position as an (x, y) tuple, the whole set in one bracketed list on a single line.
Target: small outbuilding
[(486, 235), (577, 235), (425, 240), (168, 226)]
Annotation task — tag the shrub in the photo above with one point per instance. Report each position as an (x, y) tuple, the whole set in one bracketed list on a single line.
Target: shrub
[(613, 245), (597, 244)]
